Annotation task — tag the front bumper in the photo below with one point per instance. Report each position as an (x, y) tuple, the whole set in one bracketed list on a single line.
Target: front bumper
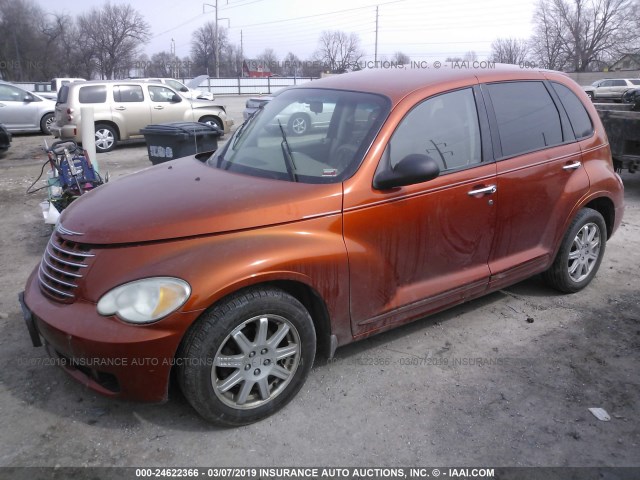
[(109, 356)]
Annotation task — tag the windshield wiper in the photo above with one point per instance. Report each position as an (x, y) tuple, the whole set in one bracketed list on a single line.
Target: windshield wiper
[(288, 155)]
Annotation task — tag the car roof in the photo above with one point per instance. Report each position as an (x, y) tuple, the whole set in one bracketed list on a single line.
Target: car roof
[(113, 82), (399, 82)]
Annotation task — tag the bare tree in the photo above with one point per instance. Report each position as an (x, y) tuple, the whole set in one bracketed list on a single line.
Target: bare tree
[(291, 66), (115, 32), (583, 32), (470, 56), (339, 51), (509, 50), (401, 58), (270, 60), (547, 44), (203, 48)]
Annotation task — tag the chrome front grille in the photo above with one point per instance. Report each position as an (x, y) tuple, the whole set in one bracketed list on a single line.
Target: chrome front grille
[(62, 267)]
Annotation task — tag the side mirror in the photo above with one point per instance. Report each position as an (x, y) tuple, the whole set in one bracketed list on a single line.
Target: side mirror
[(184, 89), (412, 169), (176, 98)]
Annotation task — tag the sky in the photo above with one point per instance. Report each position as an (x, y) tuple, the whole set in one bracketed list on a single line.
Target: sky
[(423, 30)]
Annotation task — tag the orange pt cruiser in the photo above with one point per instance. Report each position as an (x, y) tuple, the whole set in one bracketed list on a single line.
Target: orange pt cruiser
[(408, 193)]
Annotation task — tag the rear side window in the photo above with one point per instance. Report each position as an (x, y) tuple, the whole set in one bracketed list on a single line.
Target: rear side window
[(527, 118), (445, 127), (619, 83), (93, 94), (635, 82), (578, 116), (128, 93)]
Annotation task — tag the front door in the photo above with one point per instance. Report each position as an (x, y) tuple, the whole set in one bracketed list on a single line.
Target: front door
[(420, 248)]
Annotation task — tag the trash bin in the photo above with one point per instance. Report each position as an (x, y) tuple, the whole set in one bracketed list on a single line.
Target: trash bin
[(168, 141)]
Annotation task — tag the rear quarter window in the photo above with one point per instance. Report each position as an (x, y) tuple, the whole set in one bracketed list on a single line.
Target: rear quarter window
[(528, 120), (92, 94), (63, 94), (578, 116)]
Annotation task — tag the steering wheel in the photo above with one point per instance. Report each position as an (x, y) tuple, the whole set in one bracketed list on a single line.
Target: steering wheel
[(59, 146), (343, 157)]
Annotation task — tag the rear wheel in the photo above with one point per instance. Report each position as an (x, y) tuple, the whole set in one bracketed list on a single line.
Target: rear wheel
[(580, 254), (46, 122), (299, 124), (247, 357), (106, 138)]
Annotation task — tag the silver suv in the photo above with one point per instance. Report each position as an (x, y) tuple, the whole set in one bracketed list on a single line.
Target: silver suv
[(122, 108), (611, 88)]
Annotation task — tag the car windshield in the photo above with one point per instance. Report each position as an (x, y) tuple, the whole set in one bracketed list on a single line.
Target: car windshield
[(305, 135), (635, 82)]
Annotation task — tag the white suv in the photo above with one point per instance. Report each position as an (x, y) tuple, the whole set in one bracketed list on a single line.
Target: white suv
[(611, 88), (122, 108)]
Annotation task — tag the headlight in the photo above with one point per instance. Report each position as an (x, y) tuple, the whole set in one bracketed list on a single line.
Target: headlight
[(145, 301)]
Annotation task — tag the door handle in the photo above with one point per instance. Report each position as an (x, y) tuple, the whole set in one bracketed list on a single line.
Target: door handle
[(484, 190), (120, 108), (159, 107), (572, 166)]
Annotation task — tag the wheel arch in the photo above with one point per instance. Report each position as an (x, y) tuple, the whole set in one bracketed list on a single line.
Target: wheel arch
[(605, 207), (304, 293)]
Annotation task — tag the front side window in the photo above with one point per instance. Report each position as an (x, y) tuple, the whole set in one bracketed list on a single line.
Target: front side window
[(128, 93), (528, 120), (92, 94), (161, 94), (444, 127), (9, 93), (305, 135)]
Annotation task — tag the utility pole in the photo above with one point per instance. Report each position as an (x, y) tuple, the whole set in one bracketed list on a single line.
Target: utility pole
[(216, 44), (375, 55), (241, 55), (173, 58)]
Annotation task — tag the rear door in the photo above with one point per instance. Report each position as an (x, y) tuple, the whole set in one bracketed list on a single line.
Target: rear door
[(540, 177), (419, 248), (130, 110)]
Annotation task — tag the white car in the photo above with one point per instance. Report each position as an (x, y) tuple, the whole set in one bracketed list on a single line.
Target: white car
[(22, 111), (189, 93)]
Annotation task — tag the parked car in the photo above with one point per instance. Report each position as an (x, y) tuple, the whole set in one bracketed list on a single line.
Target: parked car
[(5, 140), (253, 104), (22, 111), (123, 107), (298, 119), (182, 89), (230, 273), (610, 88)]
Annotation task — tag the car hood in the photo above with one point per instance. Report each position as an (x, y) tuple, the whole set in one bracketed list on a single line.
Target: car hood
[(185, 198)]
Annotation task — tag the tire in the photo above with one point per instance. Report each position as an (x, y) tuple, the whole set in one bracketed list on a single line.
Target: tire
[(210, 120), (580, 253), (45, 123), (266, 322), (299, 124), (106, 138)]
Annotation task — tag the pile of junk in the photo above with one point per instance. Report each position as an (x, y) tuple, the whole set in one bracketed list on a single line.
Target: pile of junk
[(71, 175)]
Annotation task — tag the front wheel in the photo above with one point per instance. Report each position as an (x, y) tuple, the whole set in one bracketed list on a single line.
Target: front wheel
[(247, 357), (580, 253), (210, 120), (106, 138), (299, 124)]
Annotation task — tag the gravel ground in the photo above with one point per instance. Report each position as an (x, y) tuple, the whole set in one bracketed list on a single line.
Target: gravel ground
[(505, 380)]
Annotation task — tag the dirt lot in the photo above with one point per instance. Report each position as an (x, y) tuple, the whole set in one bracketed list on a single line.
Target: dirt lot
[(502, 381)]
